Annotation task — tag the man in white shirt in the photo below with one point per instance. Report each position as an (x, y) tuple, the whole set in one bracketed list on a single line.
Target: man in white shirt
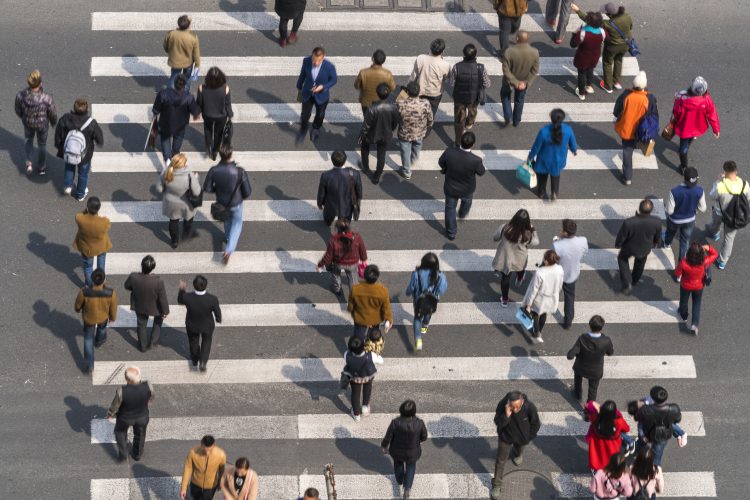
[(430, 71), (571, 249)]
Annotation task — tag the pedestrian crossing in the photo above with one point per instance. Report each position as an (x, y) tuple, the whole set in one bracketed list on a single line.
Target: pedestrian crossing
[(193, 403)]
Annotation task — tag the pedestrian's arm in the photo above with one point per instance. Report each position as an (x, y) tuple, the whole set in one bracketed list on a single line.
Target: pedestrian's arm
[(217, 311), (52, 111), (486, 83), (321, 191), (533, 72), (452, 76), (572, 144), (712, 115), (391, 82), (362, 250), (480, 170), (702, 202), (532, 290), (415, 70), (80, 299), (19, 106), (165, 44), (59, 137), (358, 81), (411, 287), (534, 421), (610, 349), (622, 234), (669, 204), (442, 162), (657, 236), (332, 79), (620, 104), (536, 147), (509, 76), (187, 471), (181, 296), (328, 256), (301, 78), (678, 270), (113, 306), (226, 488), (350, 303), (98, 135), (195, 110), (385, 309), (714, 194), (197, 52), (228, 103), (388, 437), (128, 285), (245, 188), (116, 402), (423, 433), (573, 352), (162, 299), (501, 418), (358, 186), (156, 108)]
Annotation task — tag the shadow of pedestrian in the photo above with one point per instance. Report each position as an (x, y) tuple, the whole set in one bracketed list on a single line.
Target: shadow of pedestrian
[(14, 144), (57, 256), (62, 326), (159, 229), (155, 484), (238, 8), (79, 417), (313, 365), (157, 83), (527, 364), (465, 439), (365, 454), (317, 226)]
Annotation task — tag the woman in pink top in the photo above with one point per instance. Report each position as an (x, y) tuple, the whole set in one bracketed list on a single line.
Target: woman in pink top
[(692, 113), (613, 480)]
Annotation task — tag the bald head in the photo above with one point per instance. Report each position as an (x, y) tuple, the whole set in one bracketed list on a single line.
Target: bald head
[(522, 36)]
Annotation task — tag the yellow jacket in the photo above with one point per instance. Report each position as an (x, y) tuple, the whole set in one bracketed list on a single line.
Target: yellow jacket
[(368, 80), (203, 470), (183, 49)]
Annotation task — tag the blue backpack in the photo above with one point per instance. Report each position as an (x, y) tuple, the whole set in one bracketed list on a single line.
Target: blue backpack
[(648, 127)]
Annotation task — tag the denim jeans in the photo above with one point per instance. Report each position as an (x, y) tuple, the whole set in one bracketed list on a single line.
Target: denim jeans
[(83, 178), (233, 229), (41, 142), (683, 150), (683, 307), (512, 113), (627, 158), (451, 228), (170, 146), (409, 153), (184, 71), (404, 473), (419, 322), (658, 449), (93, 336), (88, 265), (686, 231)]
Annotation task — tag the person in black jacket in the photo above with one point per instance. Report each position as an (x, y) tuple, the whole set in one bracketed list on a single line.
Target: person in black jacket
[(379, 123), (130, 408), (656, 422), (173, 106), (215, 102), (638, 235), (589, 351), (460, 168), (360, 365), (201, 310), (402, 441), (148, 297), (338, 189), (517, 424), (286, 10), (469, 81)]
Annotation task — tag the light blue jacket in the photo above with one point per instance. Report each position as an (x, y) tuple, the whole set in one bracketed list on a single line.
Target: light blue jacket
[(423, 275)]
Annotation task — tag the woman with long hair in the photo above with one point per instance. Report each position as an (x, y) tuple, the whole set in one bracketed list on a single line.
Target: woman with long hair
[(543, 294), (604, 435), (175, 183), (549, 154), (512, 254), (426, 285), (240, 482), (215, 102), (345, 250), (691, 273), (613, 480), (645, 475)]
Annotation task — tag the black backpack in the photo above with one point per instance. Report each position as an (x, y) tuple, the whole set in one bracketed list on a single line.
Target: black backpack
[(736, 214), (427, 301), (641, 494), (661, 430)]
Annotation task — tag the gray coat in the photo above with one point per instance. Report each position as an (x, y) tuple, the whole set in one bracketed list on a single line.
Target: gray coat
[(543, 293), (511, 257), (174, 202)]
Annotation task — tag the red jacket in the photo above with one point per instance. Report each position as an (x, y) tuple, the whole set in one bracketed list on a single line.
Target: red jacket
[(336, 252), (692, 276), (601, 449), (693, 114), (589, 42)]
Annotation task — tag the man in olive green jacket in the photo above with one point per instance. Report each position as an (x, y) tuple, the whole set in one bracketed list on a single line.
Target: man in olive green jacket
[(368, 80), (183, 49)]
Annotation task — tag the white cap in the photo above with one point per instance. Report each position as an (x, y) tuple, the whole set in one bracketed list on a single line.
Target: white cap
[(640, 81)]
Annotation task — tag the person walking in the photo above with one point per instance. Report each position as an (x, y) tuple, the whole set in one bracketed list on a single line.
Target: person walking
[(520, 69), (656, 422), (287, 10), (509, 14), (402, 442), (549, 154), (460, 167), (637, 236), (203, 469), (571, 249), (470, 82), (512, 253), (588, 42), (201, 310), (173, 106), (183, 52), (344, 253), (589, 351), (543, 293), (360, 366), (239, 482), (613, 480), (647, 476), (605, 432), (339, 190), (316, 78), (517, 422), (619, 23), (215, 102), (76, 137), (37, 111), (92, 239), (430, 71), (369, 79), (693, 111), (415, 123), (148, 298), (130, 408), (380, 121), (557, 15), (369, 304), (232, 187), (691, 272), (630, 108), (177, 182), (681, 206), (729, 209), (97, 304), (426, 286)]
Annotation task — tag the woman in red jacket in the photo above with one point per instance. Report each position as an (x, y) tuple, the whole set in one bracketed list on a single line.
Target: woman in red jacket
[(589, 41), (692, 113), (604, 432), (691, 273), (345, 250)]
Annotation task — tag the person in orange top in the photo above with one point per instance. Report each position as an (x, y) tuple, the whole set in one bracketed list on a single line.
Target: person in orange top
[(691, 273), (630, 108)]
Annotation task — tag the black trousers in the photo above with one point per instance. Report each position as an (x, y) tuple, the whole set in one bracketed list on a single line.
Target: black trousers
[(360, 396), (200, 346), (284, 25), (147, 339), (198, 493), (569, 297), (212, 133), (578, 386), (174, 229), (320, 113), (434, 103), (507, 26), (539, 322), (139, 436), (628, 278), (505, 283), (585, 79), (541, 184), (365, 151)]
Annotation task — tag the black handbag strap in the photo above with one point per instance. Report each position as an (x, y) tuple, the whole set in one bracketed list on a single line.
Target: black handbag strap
[(240, 175), (353, 183)]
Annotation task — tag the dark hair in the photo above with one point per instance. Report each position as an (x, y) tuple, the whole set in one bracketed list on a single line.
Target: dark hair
[(616, 466), (200, 283), (431, 263), (215, 78), (551, 257), (596, 323), (342, 227), (468, 140), (557, 116), (383, 90), (242, 463), (729, 167), (375, 335), (225, 152), (183, 22), (372, 273), (605, 423), (695, 255), (515, 396), (412, 88), (318, 51), (93, 205), (378, 57), (643, 468), (208, 441), (338, 158), (632, 408), (311, 493), (408, 408), (645, 206), (519, 229), (620, 11), (470, 52), (570, 227), (81, 106), (180, 82), (437, 46), (355, 345), (594, 19), (147, 264), (97, 277), (659, 394)]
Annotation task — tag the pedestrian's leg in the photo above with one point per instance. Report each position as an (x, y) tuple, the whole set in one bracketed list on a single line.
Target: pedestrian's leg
[(101, 334), (121, 437), (450, 216), (459, 120), (187, 228), (686, 232), (542, 321), (381, 158), (283, 29), (405, 149), (417, 324), (209, 129), (320, 114), (235, 229), (179, 136), (305, 114), (518, 450), (139, 439), (519, 97), (555, 185), (515, 24), (364, 154), (714, 227), (590, 77), (569, 297), (658, 449), (505, 91), (683, 150), (593, 388), (582, 82), (541, 184), (195, 346), (623, 263), (617, 72), (174, 231), (366, 393), (536, 328), (504, 285), (471, 115), (639, 264), (503, 450), (670, 232), (206, 339), (83, 180), (88, 346), (627, 159), (682, 309), (550, 12), (562, 22), (727, 245), (166, 147), (466, 201), (356, 398), (411, 470), (141, 324), (608, 58), (68, 177), (297, 21), (335, 272), (504, 26), (399, 470), (41, 143), (697, 299), (156, 330), (88, 269), (173, 75), (28, 134), (577, 385)]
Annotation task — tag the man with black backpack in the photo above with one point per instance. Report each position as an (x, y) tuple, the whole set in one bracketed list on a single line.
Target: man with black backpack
[(655, 422), (731, 195), (75, 136)]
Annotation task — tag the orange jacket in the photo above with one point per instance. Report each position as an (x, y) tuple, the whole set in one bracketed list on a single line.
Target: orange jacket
[(634, 107)]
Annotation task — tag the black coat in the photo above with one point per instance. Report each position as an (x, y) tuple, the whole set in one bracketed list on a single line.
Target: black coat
[(201, 311), (289, 9), (460, 169), (222, 180), (520, 428), (147, 294), (403, 439), (174, 109), (335, 192), (589, 353), (639, 235), (663, 415), (380, 121), (92, 134)]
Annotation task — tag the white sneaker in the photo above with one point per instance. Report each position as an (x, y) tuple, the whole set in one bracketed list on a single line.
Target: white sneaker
[(356, 418), (694, 329), (618, 86), (538, 340), (67, 190), (682, 440), (580, 96), (589, 89), (365, 410)]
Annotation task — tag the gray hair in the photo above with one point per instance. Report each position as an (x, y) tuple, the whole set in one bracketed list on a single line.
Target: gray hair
[(133, 374)]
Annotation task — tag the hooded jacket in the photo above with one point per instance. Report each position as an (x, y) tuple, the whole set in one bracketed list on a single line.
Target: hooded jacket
[(336, 252), (693, 114), (92, 134), (174, 108), (36, 109), (691, 277), (589, 352), (520, 428)]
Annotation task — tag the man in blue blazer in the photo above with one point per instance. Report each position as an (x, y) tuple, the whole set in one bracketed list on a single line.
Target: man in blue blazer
[(316, 78)]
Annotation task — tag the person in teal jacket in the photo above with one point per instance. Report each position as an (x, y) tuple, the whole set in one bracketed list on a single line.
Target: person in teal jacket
[(549, 154), (429, 283)]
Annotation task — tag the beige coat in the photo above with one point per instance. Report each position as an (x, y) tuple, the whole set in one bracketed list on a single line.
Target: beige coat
[(543, 293), (430, 72), (510, 256), (249, 490), (182, 48)]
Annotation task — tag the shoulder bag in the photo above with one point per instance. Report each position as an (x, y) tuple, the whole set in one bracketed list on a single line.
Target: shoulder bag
[(194, 201), (355, 200), (633, 49), (707, 274), (222, 212)]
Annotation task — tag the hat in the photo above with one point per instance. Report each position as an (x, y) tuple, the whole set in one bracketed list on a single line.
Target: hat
[(699, 86), (640, 81), (658, 394), (610, 8), (691, 176)]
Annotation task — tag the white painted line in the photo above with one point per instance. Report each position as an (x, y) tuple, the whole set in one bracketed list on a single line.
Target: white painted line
[(368, 486), (318, 161), (305, 370), (262, 66), (318, 21), (461, 313), (392, 261), (341, 426), (396, 210), (339, 112)]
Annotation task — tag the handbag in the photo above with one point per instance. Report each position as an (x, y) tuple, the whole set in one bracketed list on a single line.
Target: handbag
[(194, 201), (668, 132), (525, 173), (361, 269), (633, 49), (355, 200), (647, 148), (524, 318), (403, 94), (427, 302), (226, 134), (707, 275), (222, 212), (345, 379)]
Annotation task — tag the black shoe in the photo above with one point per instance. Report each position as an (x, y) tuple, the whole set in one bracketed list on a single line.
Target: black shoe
[(506, 122), (173, 244), (203, 367), (450, 237), (300, 137), (136, 458), (363, 168), (376, 179), (627, 290), (314, 134), (566, 326), (515, 124), (121, 458)]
